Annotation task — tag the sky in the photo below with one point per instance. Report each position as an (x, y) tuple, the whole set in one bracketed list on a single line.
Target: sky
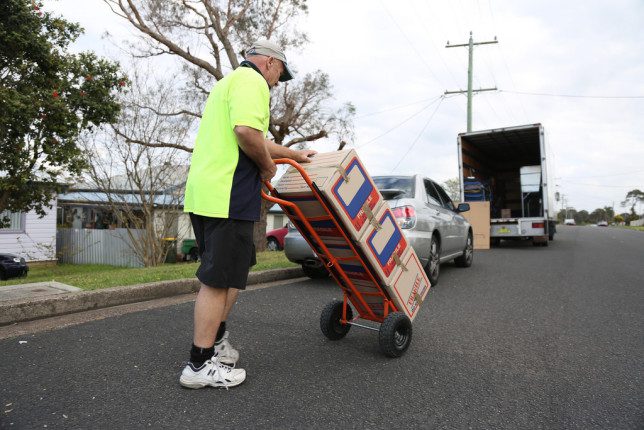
[(389, 59)]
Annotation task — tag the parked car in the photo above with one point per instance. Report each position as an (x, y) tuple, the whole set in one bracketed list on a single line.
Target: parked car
[(12, 266), (275, 239), (433, 226), (569, 221), (602, 224)]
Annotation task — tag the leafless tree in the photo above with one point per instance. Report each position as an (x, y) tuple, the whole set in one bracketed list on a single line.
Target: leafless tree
[(142, 182), (209, 37)]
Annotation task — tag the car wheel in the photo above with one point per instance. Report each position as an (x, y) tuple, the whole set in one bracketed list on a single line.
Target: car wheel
[(465, 260), (433, 265), (272, 245), (330, 318), (394, 335), (314, 272), (194, 254)]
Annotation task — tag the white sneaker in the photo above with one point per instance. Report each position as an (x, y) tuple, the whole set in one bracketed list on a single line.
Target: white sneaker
[(212, 373), (225, 351)]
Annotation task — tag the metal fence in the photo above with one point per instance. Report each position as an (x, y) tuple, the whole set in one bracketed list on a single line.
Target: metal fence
[(88, 246)]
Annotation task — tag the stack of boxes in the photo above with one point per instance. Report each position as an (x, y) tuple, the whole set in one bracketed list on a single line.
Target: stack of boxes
[(367, 219)]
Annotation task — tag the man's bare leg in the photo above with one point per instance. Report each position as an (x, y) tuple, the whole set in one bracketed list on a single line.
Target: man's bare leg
[(230, 301), (209, 312)]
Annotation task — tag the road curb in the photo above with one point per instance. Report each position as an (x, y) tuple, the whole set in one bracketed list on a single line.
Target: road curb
[(14, 311)]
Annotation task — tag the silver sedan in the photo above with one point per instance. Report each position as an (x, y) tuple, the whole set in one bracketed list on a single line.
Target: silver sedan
[(431, 223)]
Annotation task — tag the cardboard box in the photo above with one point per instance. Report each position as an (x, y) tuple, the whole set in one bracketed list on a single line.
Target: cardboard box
[(410, 285), (343, 180), (479, 218), (384, 244)]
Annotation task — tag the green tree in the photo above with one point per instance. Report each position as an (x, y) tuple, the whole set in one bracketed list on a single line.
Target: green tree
[(453, 188), (633, 198), (618, 219), (48, 97), (581, 217)]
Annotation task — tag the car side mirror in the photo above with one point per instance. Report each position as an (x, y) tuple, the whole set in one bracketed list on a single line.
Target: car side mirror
[(463, 207)]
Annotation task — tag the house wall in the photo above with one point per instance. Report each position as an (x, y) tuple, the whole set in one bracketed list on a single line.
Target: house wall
[(37, 241)]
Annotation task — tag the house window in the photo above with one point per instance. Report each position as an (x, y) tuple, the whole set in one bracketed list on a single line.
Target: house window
[(13, 222), (278, 221)]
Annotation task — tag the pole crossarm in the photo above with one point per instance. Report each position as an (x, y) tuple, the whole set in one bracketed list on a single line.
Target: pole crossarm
[(474, 91)]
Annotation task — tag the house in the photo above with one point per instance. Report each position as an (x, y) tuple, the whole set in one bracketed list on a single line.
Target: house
[(30, 236), (275, 218)]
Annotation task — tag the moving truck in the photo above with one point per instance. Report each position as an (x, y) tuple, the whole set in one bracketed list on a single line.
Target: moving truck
[(510, 169)]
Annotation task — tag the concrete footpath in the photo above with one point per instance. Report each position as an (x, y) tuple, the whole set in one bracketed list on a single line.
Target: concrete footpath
[(26, 307)]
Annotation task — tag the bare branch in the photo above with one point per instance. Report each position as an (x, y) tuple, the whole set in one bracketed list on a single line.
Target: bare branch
[(128, 139), (310, 138)]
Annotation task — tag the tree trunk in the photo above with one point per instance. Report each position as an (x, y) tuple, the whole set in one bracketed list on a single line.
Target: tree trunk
[(259, 233)]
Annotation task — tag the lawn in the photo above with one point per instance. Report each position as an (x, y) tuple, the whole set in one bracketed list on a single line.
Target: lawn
[(632, 227), (95, 276)]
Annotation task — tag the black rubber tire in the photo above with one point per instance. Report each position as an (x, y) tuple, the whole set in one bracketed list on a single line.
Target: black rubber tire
[(394, 335), (272, 244), (3, 275), (495, 241), (315, 272), (330, 320), (433, 273), (465, 260), (194, 254)]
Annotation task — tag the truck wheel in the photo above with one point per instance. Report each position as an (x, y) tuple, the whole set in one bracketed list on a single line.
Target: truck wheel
[(315, 272), (330, 318), (394, 335), (433, 267), (495, 241), (465, 260)]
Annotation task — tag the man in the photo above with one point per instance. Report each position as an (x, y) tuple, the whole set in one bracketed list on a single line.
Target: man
[(230, 157)]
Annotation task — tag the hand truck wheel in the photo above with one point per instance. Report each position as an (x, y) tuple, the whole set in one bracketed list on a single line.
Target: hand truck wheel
[(395, 334), (330, 318)]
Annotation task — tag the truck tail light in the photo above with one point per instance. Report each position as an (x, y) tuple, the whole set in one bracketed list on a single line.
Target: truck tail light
[(538, 225), (405, 216)]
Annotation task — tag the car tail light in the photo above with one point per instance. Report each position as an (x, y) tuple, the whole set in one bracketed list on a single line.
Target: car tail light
[(538, 225), (405, 216)]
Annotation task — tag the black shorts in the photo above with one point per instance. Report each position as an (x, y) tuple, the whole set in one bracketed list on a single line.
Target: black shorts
[(226, 249)]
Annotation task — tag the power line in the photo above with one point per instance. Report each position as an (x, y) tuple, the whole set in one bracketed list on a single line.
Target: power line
[(401, 123), (396, 107), (571, 95), (410, 43), (419, 134)]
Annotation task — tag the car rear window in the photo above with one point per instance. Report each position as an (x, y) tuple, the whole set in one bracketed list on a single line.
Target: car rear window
[(404, 183)]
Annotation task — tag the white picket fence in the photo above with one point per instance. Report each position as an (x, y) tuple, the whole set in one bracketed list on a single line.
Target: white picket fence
[(89, 246)]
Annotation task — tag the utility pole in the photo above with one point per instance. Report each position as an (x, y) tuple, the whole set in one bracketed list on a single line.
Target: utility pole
[(470, 72)]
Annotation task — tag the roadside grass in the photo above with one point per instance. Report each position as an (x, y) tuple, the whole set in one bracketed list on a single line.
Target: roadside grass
[(96, 276), (628, 227)]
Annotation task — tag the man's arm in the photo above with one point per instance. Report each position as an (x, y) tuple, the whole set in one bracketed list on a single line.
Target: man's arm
[(254, 145), (279, 151)]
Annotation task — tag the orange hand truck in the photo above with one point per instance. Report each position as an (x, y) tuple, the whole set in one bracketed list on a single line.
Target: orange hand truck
[(372, 303)]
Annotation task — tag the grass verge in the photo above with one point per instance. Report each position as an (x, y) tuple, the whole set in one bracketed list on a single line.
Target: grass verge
[(632, 227), (96, 276)]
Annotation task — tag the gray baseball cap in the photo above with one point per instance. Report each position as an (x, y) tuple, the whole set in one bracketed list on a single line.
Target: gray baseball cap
[(270, 49)]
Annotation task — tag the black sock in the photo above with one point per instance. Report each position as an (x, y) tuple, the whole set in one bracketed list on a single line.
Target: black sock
[(221, 332), (199, 356)]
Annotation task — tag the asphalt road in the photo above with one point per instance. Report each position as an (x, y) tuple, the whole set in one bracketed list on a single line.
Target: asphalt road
[(525, 338)]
